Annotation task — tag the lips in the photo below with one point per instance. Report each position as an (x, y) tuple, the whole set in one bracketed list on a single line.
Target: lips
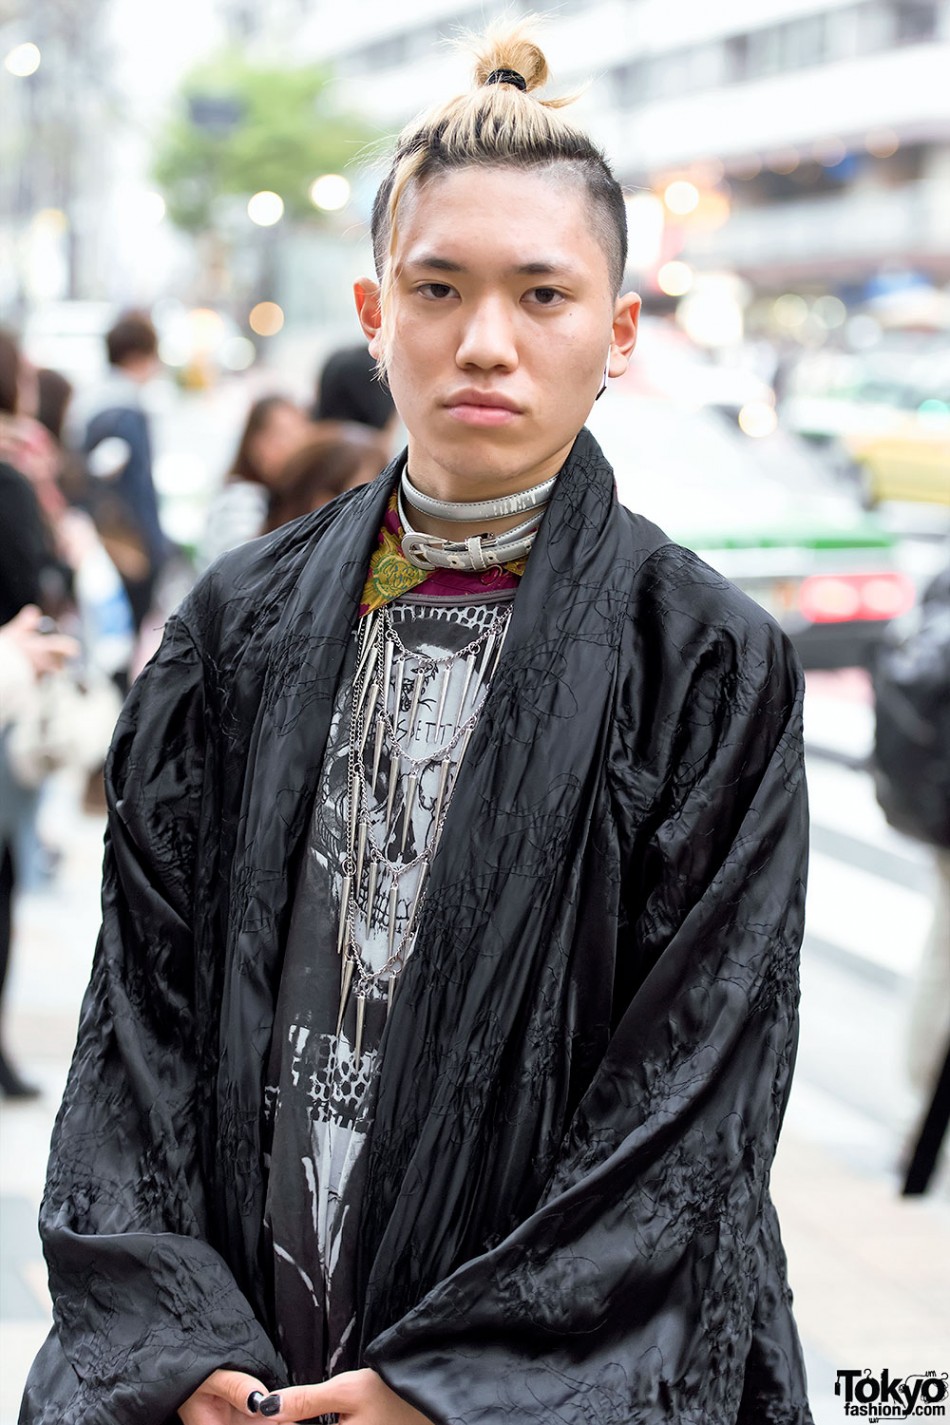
[(487, 400), (482, 409)]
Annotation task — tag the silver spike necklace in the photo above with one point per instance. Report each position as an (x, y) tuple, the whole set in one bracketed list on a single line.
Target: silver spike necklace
[(394, 691)]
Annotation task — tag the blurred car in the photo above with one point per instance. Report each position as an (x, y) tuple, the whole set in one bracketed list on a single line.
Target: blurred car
[(910, 462), (767, 515), (836, 397), (668, 363)]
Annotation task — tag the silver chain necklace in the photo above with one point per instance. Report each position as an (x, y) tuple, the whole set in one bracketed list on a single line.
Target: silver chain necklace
[(377, 730)]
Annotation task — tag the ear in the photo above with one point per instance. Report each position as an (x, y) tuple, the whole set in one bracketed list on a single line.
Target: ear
[(366, 294), (624, 333)]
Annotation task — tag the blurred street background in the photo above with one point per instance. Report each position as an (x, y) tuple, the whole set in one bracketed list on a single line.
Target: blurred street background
[(211, 166)]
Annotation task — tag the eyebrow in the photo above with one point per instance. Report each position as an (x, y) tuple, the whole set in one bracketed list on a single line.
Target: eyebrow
[(547, 268)]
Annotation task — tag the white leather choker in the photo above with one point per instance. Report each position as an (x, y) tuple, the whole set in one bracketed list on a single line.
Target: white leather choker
[(463, 511), (478, 553)]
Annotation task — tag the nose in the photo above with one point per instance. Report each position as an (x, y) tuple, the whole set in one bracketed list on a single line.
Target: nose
[(488, 338)]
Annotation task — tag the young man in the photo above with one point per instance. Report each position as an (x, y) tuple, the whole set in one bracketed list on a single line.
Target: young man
[(443, 1017)]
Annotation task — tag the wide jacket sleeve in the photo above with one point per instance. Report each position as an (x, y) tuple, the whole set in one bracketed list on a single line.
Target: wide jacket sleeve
[(649, 1286), (144, 1306)]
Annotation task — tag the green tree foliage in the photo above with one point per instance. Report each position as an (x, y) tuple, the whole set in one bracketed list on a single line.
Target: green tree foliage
[(240, 127)]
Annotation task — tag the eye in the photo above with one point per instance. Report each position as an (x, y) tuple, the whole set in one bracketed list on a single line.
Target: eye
[(546, 296), (435, 291)]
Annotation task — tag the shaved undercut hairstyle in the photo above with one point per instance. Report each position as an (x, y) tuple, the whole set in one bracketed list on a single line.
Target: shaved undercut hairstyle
[(499, 124)]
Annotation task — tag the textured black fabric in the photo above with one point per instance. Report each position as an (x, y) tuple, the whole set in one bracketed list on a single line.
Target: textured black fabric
[(585, 1069)]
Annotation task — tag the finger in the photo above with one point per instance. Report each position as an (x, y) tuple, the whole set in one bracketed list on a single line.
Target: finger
[(198, 1412), (28, 617), (242, 1391), (53, 650), (300, 1402), (205, 1410)]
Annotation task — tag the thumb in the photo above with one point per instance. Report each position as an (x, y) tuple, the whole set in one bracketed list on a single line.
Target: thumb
[(28, 617), (242, 1391), (302, 1402)]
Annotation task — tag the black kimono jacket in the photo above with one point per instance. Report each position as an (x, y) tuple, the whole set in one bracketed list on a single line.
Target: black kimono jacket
[(585, 1068)]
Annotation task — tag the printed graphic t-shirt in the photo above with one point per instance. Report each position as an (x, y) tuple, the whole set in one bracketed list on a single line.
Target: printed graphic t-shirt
[(319, 1096)]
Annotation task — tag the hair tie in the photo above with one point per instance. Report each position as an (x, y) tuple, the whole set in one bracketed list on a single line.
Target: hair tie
[(508, 76)]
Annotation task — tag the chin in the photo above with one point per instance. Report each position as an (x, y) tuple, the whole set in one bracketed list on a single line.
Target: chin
[(491, 452), (479, 465)]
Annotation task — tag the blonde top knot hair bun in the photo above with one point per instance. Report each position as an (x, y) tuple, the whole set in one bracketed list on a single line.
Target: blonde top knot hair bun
[(509, 49), (501, 122)]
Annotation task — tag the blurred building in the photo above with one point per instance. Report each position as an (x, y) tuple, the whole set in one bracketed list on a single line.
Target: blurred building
[(770, 148), (274, 24), (55, 101), (800, 144)]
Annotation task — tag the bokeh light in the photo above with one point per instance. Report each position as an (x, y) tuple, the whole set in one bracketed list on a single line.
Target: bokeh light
[(757, 419), (712, 317), (266, 319), (675, 278), (830, 312), (237, 354), (882, 143), (331, 192), (830, 152), (790, 310), (23, 60), (714, 210), (681, 197), (785, 161), (265, 208)]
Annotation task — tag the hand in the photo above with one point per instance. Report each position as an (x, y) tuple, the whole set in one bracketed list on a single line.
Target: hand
[(222, 1400), (45, 652), (357, 1397)]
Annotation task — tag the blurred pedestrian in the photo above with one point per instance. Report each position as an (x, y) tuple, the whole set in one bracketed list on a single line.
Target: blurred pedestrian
[(911, 678), (110, 426), (31, 573), (31, 569), (26, 653), (54, 394), (444, 1013), (275, 429), (338, 456), (350, 388)]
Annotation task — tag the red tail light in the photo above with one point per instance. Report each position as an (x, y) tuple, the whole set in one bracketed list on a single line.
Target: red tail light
[(837, 598)]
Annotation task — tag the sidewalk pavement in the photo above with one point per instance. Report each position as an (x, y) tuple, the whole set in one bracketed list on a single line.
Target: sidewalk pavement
[(870, 1271)]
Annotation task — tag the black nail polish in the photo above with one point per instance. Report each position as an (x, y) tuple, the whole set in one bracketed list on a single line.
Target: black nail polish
[(254, 1401), (270, 1405)]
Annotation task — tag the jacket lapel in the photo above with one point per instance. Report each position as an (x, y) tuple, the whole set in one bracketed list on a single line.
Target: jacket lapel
[(301, 645)]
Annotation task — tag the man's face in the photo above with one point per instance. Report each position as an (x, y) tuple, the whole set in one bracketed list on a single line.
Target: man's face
[(500, 322)]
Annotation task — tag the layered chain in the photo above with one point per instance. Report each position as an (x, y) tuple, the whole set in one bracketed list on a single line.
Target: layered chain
[(385, 687)]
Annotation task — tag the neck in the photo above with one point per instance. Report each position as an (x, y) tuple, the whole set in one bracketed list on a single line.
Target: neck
[(133, 370)]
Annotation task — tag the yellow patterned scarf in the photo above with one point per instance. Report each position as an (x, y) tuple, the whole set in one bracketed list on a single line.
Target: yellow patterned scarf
[(391, 575)]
